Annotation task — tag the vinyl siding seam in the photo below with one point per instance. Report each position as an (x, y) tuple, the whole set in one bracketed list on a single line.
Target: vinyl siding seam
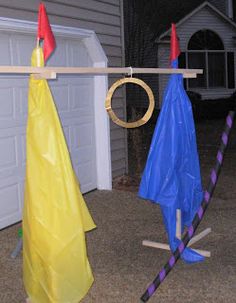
[(85, 19), (84, 7), (109, 2)]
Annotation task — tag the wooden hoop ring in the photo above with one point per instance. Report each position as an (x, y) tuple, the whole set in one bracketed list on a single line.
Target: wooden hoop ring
[(148, 113)]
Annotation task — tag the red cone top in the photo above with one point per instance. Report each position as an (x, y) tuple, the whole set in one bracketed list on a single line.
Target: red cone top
[(174, 44), (45, 32)]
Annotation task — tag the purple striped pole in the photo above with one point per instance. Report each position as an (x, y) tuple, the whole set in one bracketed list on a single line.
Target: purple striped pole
[(198, 216)]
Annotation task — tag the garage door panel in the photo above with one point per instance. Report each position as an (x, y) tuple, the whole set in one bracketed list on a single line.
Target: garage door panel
[(78, 55), (22, 46), (8, 152), (22, 149), (21, 185), (66, 131), (73, 96), (5, 58), (13, 102), (22, 103), (82, 135), (60, 55), (75, 107), (10, 209), (12, 154), (82, 149), (73, 100), (9, 194), (84, 155), (7, 103), (83, 114), (86, 180), (61, 96), (81, 97)]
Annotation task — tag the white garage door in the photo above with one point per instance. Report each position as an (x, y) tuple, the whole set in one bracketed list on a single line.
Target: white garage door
[(74, 99)]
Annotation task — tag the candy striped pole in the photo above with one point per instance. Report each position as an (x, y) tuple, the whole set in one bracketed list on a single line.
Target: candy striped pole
[(198, 216)]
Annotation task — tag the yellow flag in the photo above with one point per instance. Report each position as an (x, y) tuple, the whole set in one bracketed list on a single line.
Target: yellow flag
[(55, 264)]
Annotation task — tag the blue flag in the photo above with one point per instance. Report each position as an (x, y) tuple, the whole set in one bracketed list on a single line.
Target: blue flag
[(171, 176)]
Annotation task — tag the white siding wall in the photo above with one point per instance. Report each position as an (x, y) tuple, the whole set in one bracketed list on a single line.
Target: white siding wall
[(204, 19), (105, 17)]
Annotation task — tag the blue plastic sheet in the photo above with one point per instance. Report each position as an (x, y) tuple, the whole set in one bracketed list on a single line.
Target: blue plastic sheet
[(171, 176)]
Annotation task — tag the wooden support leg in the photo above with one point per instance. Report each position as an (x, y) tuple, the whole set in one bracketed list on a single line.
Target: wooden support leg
[(178, 224), (178, 236), (199, 236), (167, 247)]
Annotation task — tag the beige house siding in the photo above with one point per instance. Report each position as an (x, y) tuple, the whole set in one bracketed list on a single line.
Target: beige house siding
[(206, 18), (106, 19)]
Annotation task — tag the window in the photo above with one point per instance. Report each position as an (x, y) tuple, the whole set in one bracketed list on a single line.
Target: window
[(206, 51)]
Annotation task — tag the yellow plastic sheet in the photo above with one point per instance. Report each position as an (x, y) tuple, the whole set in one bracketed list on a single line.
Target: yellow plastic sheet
[(55, 264)]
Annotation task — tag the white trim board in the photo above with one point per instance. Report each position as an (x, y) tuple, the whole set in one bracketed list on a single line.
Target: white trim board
[(99, 59)]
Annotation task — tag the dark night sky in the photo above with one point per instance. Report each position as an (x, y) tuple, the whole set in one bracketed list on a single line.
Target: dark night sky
[(159, 14)]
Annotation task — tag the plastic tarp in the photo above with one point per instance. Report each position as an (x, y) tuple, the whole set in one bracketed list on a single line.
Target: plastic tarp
[(171, 176), (55, 219)]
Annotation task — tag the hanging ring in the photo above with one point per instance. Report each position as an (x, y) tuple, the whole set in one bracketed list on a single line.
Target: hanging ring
[(148, 113)]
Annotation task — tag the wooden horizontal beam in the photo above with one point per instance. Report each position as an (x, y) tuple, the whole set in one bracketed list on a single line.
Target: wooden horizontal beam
[(47, 71)]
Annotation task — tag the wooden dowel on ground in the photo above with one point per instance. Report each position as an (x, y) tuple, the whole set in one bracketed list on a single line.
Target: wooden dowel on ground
[(199, 236), (195, 239), (148, 243)]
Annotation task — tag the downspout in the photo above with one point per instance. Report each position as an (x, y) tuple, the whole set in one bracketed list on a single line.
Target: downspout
[(124, 91), (230, 9)]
